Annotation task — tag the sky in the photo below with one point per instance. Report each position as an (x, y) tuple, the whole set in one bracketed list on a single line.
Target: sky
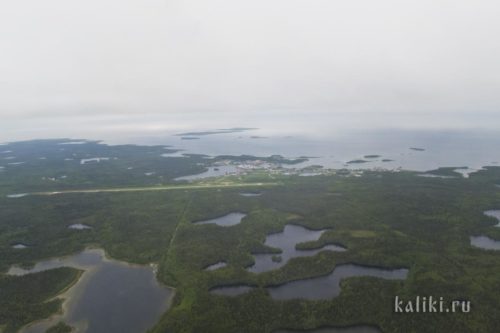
[(164, 64)]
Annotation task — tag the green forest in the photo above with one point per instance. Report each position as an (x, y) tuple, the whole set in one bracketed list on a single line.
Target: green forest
[(383, 219)]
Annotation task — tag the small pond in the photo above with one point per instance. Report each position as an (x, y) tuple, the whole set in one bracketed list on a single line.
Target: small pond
[(224, 221), (93, 160), (251, 194), (79, 226), (17, 195), (495, 214), (485, 243), (19, 246), (216, 266)]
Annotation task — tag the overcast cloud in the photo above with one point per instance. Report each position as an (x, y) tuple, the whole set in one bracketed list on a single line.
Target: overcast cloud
[(93, 57)]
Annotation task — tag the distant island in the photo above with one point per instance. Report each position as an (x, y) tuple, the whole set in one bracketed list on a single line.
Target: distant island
[(357, 161), (218, 131)]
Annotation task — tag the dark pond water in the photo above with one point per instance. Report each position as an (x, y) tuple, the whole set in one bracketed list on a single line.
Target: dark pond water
[(327, 287), (251, 194), (495, 214), (323, 287), (17, 195), (286, 241), (224, 221), (79, 226), (215, 266), (110, 296), (352, 329), (485, 243)]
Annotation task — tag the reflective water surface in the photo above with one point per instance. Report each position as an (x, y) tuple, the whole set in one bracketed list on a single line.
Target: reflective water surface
[(111, 296), (317, 288), (216, 266), (224, 221), (287, 241), (484, 242), (495, 214), (327, 287)]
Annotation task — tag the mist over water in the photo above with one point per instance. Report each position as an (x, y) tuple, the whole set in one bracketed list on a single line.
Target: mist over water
[(336, 80), (333, 139), (142, 127), (323, 78)]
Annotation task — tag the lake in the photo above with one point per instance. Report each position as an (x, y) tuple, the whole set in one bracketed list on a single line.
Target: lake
[(110, 297), (328, 286), (286, 241), (316, 288)]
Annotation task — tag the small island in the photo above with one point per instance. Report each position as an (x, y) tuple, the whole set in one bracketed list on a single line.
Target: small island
[(358, 161)]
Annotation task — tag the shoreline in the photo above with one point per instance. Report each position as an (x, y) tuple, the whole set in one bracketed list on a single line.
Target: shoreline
[(68, 293)]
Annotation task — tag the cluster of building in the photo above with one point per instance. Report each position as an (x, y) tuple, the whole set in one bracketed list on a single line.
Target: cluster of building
[(231, 167)]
